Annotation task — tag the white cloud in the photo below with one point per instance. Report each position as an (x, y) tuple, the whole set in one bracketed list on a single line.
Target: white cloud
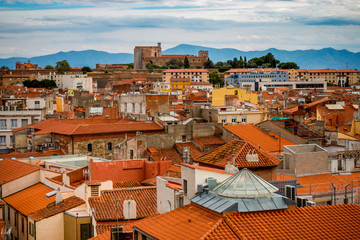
[(118, 25)]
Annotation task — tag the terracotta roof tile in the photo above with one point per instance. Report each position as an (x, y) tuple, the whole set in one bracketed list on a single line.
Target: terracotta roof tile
[(321, 183), (53, 209), (106, 207), (90, 126), (126, 184), (221, 155), (188, 222), (12, 169), (255, 136), (322, 222), (211, 140), (30, 199), (194, 151), (169, 154), (103, 227)]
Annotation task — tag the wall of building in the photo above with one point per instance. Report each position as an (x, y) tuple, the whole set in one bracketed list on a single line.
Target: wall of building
[(165, 195), (20, 183), (268, 126), (218, 95), (51, 228), (72, 226), (269, 173)]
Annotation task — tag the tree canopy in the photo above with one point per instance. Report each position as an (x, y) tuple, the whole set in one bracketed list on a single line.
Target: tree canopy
[(86, 69), (49, 67), (46, 83), (288, 65), (62, 66), (4, 68), (266, 61), (186, 63), (215, 79)]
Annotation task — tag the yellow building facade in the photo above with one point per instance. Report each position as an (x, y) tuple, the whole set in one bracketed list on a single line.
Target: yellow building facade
[(219, 95), (178, 84)]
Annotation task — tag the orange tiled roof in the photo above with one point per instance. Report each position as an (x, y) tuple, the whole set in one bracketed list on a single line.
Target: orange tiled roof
[(321, 183), (106, 207), (194, 151), (126, 184), (188, 222), (255, 136), (20, 155), (221, 155), (53, 209), (169, 154), (174, 185), (322, 222), (30, 199), (90, 126), (103, 229), (12, 169), (211, 140), (210, 169)]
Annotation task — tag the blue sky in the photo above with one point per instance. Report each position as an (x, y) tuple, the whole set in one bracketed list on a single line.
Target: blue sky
[(39, 27)]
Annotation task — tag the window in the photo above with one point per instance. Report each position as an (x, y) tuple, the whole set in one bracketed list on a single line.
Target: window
[(89, 147), (22, 225), (14, 123), (29, 229), (233, 119), (11, 139), (95, 191), (223, 119), (141, 108), (243, 119), (24, 122), (15, 219), (3, 124), (131, 154), (37, 104), (133, 107), (2, 139), (109, 146), (185, 186), (85, 231), (9, 217)]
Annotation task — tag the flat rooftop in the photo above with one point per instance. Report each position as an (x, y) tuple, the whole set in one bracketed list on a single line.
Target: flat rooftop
[(305, 148)]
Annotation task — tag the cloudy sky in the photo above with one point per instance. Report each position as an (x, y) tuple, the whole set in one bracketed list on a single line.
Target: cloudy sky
[(38, 27)]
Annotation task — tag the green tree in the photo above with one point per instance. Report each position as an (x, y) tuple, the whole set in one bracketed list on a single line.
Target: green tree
[(186, 62), (215, 79), (130, 66), (48, 84), (4, 68), (288, 65), (209, 64), (62, 66), (86, 69), (49, 67)]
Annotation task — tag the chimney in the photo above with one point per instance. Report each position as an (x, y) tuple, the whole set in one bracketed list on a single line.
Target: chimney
[(233, 159), (129, 209)]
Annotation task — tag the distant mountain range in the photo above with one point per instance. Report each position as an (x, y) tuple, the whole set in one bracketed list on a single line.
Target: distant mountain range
[(308, 59)]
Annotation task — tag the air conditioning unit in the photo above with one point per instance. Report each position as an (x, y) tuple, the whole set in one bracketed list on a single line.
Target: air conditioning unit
[(301, 202), (290, 192), (310, 204)]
